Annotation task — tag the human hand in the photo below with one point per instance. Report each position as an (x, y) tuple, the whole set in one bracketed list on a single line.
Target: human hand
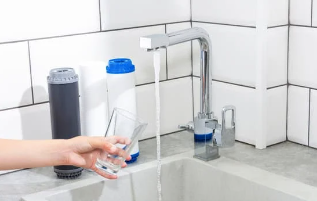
[(84, 151)]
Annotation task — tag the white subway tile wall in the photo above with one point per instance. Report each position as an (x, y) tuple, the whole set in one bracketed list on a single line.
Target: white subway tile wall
[(243, 98), (276, 110), (314, 13), (300, 12), (125, 13), (242, 12), (278, 12), (22, 20), (36, 37), (233, 50), (298, 114), (302, 58), (176, 105), (31, 122), (70, 51), (313, 119), (15, 87), (277, 56), (233, 38), (302, 72)]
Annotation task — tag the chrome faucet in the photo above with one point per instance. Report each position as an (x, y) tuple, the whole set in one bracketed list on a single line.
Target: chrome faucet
[(209, 134)]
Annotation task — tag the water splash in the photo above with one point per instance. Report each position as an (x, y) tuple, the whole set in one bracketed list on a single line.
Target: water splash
[(157, 66)]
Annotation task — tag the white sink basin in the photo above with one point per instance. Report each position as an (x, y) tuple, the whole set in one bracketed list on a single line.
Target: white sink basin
[(185, 179)]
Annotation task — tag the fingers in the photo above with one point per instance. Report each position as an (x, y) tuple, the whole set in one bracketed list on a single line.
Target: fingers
[(128, 158), (98, 142), (108, 144), (118, 140), (118, 152), (124, 164), (102, 173), (111, 159)]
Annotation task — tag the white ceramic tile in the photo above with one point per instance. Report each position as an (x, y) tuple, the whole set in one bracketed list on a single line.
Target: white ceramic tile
[(146, 108), (233, 53), (313, 119), (179, 56), (15, 80), (242, 98), (302, 56), (300, 12), (71, 51), (176, 105), (242, 12), (37, 19), (298, 106), (277, 56), (314, 16), (126, 13), (29, 123), (278, 12), (276, 129)]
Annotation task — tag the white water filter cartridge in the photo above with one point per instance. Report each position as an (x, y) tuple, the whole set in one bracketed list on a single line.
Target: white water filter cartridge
[(93, 98), (121, 90)]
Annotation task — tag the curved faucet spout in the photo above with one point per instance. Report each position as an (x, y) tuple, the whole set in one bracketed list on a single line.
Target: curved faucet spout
[(156, 41)]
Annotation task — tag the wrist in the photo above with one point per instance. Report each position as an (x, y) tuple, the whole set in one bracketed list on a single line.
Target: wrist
[(60, 152)]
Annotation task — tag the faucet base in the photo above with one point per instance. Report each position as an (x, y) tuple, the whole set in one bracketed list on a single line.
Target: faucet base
[(206, 152)]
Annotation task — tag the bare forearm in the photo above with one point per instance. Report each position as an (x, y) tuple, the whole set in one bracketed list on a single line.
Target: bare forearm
[(16, 154)]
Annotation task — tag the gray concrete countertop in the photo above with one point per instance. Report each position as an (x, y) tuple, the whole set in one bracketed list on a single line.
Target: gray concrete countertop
[(287, 159)]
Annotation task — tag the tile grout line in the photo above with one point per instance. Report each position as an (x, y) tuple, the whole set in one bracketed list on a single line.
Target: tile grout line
[(287, 65), (164, 134), (44, 102), (287, 89), (224, 24), (277, 86), (192, 65), (305, 26), (23, 106), (100, 24), (240, 85), (309, 105), (166, 55), (295, 85), (191, 10), (311, 14), (30, 68), (193, 98), (175, 78), (93, 32), (278, 26)]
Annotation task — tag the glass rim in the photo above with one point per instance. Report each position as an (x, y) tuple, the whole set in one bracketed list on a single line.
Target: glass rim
[(129, 115)]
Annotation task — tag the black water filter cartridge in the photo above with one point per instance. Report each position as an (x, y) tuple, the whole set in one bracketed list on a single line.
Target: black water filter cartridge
[(65, 113)]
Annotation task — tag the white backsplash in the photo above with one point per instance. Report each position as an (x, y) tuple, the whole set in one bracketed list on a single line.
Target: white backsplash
[(36, 37), (302, 72), (57, 33)]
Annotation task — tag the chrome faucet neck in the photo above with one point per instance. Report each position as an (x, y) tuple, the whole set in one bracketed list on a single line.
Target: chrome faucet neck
[(155, 41)]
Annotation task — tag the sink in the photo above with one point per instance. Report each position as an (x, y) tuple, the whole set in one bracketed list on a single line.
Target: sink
[(184, 179)]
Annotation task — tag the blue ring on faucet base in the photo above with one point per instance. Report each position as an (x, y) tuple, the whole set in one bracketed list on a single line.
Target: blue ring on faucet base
[(202, 137)]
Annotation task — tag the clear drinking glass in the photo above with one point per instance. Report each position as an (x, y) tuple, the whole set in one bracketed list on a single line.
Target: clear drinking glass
[(122, 123)]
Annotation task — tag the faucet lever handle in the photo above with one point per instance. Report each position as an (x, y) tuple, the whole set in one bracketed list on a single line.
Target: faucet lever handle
[(228, 134), (189, 127)]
